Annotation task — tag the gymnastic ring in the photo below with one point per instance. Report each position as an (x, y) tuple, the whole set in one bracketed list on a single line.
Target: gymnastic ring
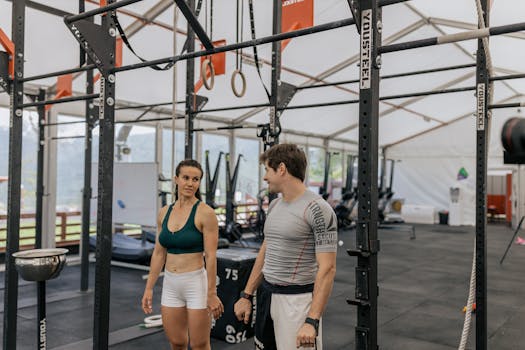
[(208, 84), (243, 79)]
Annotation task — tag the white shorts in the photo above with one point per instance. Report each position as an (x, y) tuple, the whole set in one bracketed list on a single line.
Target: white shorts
[(186, 289), (288, 313)]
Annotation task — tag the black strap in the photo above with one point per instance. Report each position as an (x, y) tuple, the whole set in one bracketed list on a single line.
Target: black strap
[(255, 55), (125, 40)]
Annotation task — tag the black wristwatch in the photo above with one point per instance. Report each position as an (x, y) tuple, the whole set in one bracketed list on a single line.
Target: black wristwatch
[(314, 322), (247, 296)]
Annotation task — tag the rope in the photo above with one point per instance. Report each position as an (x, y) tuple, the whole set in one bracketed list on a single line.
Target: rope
[(472, 286), (470, 302), (152, 321)]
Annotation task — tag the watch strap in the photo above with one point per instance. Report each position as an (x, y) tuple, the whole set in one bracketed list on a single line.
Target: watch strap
[(247, 296), (314, 322)]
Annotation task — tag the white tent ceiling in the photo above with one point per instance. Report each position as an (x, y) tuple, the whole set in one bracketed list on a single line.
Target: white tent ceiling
[(327, 57)]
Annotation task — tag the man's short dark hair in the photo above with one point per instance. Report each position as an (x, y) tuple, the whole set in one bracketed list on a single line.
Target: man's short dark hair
[(290, 155)]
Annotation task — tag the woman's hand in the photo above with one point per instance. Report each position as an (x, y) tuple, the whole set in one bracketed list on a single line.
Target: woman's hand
[(215, 306), (147, 301)]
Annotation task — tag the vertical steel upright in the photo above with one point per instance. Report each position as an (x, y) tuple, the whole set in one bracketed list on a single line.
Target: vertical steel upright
[(482, 130), (367, 241), (87, 191), (15, 176), (40, 169), (190, 90), (275, 114), (105, 192), (40, 285)]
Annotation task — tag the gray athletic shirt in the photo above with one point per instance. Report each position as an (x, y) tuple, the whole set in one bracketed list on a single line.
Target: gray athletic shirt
[(294, 232)]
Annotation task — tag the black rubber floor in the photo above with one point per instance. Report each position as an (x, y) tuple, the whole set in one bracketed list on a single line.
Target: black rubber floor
[(423, 286)]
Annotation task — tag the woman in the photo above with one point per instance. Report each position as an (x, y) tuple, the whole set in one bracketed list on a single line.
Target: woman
[(186, 229)]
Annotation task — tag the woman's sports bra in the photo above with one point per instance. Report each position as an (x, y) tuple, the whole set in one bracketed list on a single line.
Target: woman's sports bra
[(186, 240)]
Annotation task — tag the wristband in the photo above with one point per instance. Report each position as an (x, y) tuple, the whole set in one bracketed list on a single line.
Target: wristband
[(314, 322), (247, 296)]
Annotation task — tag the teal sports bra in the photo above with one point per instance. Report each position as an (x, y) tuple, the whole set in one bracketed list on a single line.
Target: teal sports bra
[(186, 240)]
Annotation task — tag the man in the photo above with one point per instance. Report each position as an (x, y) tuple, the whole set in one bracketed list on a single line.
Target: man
[(295, 267)]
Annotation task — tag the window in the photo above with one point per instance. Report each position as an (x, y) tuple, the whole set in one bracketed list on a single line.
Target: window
[(316, 159), (166, 150), (248, 180), (140, 142), (216, 144), (29, 159), (70, 164)]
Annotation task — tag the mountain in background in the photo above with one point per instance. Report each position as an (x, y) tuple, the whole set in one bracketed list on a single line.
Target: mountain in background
[(70, 167)]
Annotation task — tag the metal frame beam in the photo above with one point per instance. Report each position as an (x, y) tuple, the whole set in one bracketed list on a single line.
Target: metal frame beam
[(40, 171), (190, 88), (406, 103), (340, 66), (275, 114), (482, 138), (105, 195), (367, 243), (87, 190), (46, 9), (442, 32), (15, 177), (461, 117), (188, 10), (466, 26)]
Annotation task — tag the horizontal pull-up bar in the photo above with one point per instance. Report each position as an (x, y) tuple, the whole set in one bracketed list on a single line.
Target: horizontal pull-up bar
[(452, 38), (63, 123), (233, 108), (390, 76), (97, 11), (59, 73), (507, 105), (122, 3), (428, 93), (46, 9), (68, 137), (316, 105), (149, 105), (148, 120), (508, 77), (232, 127), (383, 98), (250, 43), (61, 100)]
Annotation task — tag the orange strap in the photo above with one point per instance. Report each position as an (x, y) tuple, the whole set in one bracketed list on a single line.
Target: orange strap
[(9, 47)]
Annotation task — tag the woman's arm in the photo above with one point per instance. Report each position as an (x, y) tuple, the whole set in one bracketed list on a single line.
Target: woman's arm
[(158, 259), (210, 232)]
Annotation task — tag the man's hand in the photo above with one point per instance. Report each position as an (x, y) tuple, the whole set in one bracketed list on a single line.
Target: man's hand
[(243, 310), (306, 336)]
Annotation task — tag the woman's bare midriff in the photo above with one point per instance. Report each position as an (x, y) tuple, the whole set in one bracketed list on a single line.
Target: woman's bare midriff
[(184, 262)]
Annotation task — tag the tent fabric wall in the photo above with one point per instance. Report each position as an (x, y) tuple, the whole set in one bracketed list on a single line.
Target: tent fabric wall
[(427, 166)]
